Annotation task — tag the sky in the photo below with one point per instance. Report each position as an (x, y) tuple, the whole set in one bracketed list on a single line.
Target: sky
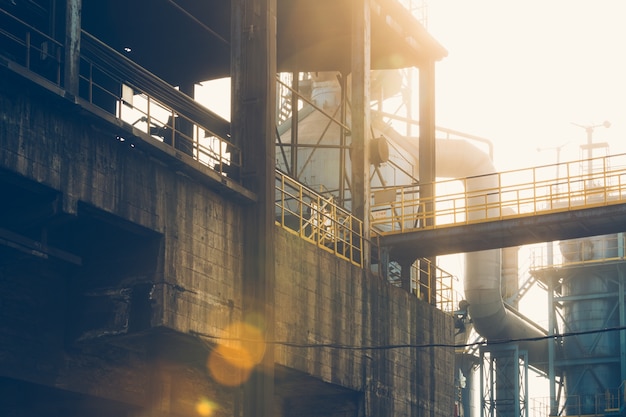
[(524, 73), (527, 75)]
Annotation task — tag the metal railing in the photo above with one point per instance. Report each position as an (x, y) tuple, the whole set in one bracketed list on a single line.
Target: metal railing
[(31, 48), (598, 249), (609, 402), (317, 219), (524, 192), (115, 84), (426, 275), (125, 90), (614, 401)]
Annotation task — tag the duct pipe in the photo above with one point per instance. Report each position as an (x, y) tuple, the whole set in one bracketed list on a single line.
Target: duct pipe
[(457, 158)]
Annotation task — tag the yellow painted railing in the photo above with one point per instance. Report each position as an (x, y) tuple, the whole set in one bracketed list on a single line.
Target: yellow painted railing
[(525, 192), (445, 294), (573, 252), (609, 402), (317, 219)]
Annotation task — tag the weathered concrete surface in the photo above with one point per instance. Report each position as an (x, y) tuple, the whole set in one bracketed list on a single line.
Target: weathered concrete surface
[(130, 328), (324, 301)]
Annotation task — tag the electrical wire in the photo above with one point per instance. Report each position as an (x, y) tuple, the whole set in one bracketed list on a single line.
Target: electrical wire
[(410, 345), (202, 25)]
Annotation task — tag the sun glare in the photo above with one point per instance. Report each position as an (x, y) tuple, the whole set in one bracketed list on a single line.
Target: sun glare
[(241, 348), (205, 407)]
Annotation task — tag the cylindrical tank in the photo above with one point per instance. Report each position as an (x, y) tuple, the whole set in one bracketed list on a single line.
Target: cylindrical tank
[(589, 304)]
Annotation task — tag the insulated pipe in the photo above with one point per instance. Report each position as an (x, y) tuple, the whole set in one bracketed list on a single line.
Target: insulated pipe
[(457, 158)]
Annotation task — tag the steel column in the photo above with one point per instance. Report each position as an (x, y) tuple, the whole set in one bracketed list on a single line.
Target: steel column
[(504, 381), (622, 314), (72, 45), (552, 331)]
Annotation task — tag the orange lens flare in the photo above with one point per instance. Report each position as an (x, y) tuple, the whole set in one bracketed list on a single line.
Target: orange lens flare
[(241, 348), (205, 407)]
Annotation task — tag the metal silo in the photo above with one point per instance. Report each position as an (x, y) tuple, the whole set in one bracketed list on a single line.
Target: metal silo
[(591, 309)]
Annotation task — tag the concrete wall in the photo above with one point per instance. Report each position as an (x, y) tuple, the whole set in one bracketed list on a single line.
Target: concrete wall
[(324, 301), (130, 328)]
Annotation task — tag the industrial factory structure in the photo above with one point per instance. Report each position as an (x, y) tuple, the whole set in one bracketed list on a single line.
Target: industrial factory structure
[(158, 259)]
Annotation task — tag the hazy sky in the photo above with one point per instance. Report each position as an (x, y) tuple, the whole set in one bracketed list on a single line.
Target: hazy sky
[(521, 72)]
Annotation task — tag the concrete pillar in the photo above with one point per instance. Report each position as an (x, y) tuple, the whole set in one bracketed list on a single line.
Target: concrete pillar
[(427, 141), (427, 133), (427, 169), (360, 63), (253, 71)]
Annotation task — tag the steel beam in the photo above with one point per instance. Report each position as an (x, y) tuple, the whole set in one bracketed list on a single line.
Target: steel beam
[(72, 45)]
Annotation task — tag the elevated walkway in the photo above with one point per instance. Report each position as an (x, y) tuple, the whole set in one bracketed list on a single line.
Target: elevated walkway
[(506, 209)]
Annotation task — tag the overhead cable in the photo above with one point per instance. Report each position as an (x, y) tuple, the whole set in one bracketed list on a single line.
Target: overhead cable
[(192, 17), (407, 345)]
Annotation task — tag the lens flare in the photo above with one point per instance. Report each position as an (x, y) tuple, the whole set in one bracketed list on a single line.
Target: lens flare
[(241, 348), (227, 371), (205, 407)]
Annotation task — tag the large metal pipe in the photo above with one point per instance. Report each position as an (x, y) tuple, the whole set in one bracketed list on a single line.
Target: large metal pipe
[(457, 158)]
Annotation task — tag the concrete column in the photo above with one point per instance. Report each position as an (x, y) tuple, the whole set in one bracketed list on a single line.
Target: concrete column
[(253, 71), (427, 169), (360, 62), (72, 46)]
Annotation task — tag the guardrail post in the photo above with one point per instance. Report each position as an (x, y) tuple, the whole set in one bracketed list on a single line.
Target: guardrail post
[(72, 46)]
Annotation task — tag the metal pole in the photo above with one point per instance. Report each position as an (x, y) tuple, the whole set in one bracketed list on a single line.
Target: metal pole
[(622, 312), (342, 138), (551, 348), (72, 46), (295, 84)]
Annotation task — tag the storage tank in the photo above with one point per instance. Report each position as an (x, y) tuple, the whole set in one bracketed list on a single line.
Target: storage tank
[(589, 299)]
